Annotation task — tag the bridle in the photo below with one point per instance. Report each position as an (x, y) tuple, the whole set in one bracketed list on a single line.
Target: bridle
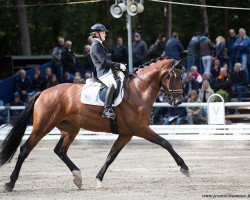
[(170, 75)]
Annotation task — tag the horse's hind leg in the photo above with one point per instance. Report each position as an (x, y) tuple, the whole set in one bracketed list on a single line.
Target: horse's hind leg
[(117, 147), (61, 150)]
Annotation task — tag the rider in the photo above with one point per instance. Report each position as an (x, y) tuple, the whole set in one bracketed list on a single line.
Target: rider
[(105, 69)]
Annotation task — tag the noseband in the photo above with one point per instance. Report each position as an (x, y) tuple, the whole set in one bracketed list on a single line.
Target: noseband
[(169, 92)]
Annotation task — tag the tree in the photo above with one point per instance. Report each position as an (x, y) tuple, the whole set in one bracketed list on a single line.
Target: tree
[(23, 25), (204, 16), (168, 19)]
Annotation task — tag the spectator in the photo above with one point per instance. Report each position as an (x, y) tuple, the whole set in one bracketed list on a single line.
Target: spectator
[(68, 78), (17, 102), (157, 49), (2, 113), (89, 66), (215, 72), (194, 114), (242, 46), (79, 76), (48, 75), (239, 80), (140, 50), (184, 75), (223, 82), (220, 49), (197, 76), (206, 47), (53, 81), (159, 112), (174, 47), (190, 85), (230, 47), (56, 56), (119, 52), (68, 58), (177, 114), (205, 92), (192, 51), (38, 82), (90, 40), (22, 85)]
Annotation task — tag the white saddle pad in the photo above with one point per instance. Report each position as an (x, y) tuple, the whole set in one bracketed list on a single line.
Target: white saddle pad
[(90, 94)]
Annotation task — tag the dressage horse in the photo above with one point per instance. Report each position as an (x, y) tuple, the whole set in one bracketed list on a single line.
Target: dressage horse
[(60, 107)]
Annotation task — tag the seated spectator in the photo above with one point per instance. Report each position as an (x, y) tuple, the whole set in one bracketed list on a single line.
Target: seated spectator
[(223, 82), (48, 75), (17, 102), (80, 76), (158, 113), (184, 75), (196, 74), (194, 114), (53, 81), (88, 63), (239, 80), (157, 49), (22, 85), (38, 83), (190, 85), (68, 78), (78, 79), (216, 69), (175, 114)]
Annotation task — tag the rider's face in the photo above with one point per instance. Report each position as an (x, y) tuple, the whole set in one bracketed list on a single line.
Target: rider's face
[(102, 35)]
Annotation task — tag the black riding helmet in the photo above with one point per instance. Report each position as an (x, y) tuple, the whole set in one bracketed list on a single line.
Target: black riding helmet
[(98, 28)]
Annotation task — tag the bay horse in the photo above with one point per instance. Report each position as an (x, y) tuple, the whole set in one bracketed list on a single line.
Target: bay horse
[(60, 107)]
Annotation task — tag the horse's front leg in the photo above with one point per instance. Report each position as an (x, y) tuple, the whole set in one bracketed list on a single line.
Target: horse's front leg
[(117, 147), (148, 134)]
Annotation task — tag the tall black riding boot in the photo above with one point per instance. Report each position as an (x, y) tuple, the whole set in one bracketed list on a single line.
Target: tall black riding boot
[(108, 110)]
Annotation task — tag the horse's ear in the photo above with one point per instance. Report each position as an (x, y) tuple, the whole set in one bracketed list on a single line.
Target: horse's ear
[(178, 64)]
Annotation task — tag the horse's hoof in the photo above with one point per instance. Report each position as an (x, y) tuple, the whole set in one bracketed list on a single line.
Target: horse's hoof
[(77, 178), (185, 172), (99, 185), (8, 187)]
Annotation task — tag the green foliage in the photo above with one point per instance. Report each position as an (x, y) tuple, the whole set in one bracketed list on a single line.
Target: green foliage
[(74, 21), (224, 95)]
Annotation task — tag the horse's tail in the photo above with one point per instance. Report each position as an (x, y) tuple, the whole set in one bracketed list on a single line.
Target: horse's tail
[(13, 139)]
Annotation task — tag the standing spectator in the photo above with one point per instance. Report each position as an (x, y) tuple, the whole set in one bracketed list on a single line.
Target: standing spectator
[(53, 81), (197, 76), (38, 82), (88, 64), (68, 58), (239, 80), (157, 49), (56, 56), (177, 114), (192, 51), (230, 47), (119, 52), (174, 47), (190, 85), (220, 49), (140, 50), (242, 46), (22, 85), (206, 47), (223, 82), (194, 114)]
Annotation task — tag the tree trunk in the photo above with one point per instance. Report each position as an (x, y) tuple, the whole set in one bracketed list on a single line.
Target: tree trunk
[(168, 20), (226, 26), (24, 29), (204, 16)]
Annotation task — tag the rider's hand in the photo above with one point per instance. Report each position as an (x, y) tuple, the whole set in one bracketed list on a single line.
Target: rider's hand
[(123, 67)]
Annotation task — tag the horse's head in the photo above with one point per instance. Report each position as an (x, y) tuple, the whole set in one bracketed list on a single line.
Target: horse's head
[(171, 81)]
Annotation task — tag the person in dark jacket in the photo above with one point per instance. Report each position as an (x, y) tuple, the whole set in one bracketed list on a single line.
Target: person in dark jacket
[(140, 50), (56, 56), (105, 69), (68, 58), (119, 52), (231, 50), (220, 49), (22, 85), (174, 47), (88, 63), (189, 85), (38, 82), (177, 114), (157, 49), (239, 80), (223, 82)]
